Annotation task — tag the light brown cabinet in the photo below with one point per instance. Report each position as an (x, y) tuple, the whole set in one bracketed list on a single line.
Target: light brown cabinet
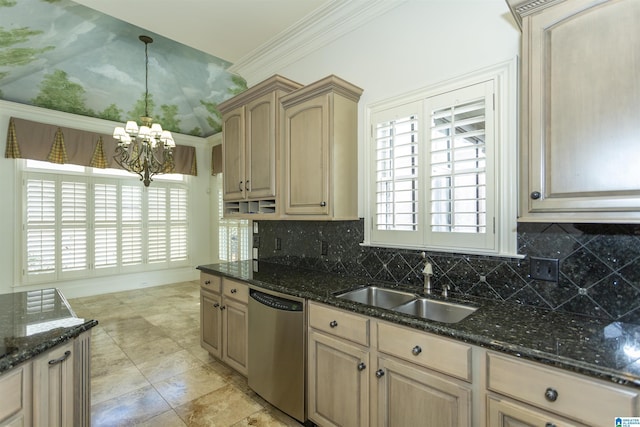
[(551, 396), (224, 325), (250, 148), (51, 390), (320, 151), (579, 121)]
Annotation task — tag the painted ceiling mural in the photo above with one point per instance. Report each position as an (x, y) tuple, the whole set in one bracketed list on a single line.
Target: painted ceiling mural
[(63, 56)]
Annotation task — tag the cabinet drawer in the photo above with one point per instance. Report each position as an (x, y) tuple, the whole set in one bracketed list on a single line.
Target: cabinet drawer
[(12, 392), (210, 282), (339, 323), (440, 354), (233, 289), (585, 400)]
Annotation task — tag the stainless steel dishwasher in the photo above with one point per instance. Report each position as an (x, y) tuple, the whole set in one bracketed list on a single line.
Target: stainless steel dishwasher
[(277, 349)]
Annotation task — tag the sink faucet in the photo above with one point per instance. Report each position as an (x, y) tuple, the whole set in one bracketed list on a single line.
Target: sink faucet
[(427, 272)]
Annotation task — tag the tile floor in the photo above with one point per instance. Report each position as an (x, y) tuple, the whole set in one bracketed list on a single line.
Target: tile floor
[(148, 369)]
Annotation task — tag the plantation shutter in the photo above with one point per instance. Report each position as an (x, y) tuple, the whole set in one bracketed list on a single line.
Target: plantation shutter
[(73, 219), (460, 150), (178, 224), (157, 224), (105, 225), (40, 221), (396, 145), (131, 225)]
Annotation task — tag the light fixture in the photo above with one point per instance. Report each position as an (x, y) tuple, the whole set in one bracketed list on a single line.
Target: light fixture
[(146, 150)]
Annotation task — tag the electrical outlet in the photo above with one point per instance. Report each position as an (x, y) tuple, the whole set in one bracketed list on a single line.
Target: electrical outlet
[(278, 244), (544, 269), (324, 248)]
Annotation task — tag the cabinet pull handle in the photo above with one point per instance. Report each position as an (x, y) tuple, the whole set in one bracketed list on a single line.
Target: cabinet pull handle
[(323, 204), (216, 305), (333, 323), (234, 290), (223, 307), (536, 195), (61, 358), (416, 350), (549, 425), (551, 394), (207, 282), (379, 373), (246, 186), (361, 366), (240, 186)]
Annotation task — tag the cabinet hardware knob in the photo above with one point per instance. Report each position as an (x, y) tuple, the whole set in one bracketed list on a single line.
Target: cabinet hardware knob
[(234, 290), (361, 366), (333, 323), (216, 305), (416, 350), (536, 195), (323, 204), (207, 282), (240, 186), (551, 394), (379, 373), (223, 307), (61, 358), (549, 425)]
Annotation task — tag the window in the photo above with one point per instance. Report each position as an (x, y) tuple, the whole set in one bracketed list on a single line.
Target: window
[(434, 168), (80, 225), (234, 235)]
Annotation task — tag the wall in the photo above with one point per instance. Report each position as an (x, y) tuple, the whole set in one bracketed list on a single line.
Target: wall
[(599, 264), (10, 260)]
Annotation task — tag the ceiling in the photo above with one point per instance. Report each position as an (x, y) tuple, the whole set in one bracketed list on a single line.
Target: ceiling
[(84, 57)]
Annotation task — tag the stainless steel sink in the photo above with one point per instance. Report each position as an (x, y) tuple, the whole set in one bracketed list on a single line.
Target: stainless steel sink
[(378, 297), (440, 311)]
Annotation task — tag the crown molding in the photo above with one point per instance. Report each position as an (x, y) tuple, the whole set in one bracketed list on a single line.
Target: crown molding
[(315, 31)]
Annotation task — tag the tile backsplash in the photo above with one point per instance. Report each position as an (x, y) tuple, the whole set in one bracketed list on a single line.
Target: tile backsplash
[(599, 264)]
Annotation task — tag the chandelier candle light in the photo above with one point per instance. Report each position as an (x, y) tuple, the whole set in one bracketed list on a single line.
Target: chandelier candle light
[(147, 150)]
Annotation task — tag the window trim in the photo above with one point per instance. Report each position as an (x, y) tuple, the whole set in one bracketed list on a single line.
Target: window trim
[(504, 76)]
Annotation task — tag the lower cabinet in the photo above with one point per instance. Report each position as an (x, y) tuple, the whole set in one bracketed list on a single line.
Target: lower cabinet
[(504, 413), (51, 390), (224, 320), (411, 396)]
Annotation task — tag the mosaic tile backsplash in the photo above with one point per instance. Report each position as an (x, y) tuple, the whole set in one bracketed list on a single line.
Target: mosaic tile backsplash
[(599, 264)]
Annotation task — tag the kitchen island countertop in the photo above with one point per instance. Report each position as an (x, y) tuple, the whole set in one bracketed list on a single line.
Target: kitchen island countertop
[(594, 347), (33, 322)]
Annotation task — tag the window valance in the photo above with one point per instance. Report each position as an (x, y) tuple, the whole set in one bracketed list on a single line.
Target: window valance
[(57, 144)]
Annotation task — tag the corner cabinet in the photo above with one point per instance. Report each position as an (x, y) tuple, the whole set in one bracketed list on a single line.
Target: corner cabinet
[(579, 112), (320, 151), (250, 123)]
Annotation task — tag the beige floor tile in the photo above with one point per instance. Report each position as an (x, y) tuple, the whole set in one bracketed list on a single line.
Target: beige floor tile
[(223, 407), (138, 406), (189, 385), (108, 360), (165, 366), (263, 418), (116, 383), (146, 349), (166, 419)]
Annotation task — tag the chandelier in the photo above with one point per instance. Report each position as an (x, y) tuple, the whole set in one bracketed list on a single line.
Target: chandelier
[(146, 150)]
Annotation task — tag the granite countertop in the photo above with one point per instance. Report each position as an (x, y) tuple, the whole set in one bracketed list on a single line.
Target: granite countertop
[(33, 322), (589, 346)]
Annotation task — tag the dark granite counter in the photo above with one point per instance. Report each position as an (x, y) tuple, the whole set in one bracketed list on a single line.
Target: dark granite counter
[(589, 346), (33, 322)]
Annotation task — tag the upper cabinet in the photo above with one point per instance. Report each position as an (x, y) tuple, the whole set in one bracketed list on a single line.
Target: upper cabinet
[(320, 151), (250, 147), (580, 110)]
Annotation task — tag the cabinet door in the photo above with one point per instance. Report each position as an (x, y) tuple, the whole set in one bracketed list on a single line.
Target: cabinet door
[(53, 382), (306, 147), (501, 413), (580, 112), (211, 323), (338, 382), (235, 335), (233, 155), (260, 162), (410, 396)]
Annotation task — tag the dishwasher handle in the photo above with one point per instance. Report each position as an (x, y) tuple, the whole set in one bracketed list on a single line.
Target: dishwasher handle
[(276, 302)]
